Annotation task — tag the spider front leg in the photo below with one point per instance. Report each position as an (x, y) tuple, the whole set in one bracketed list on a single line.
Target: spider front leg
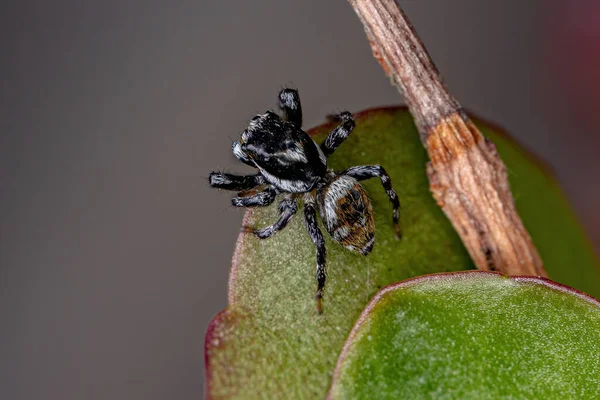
[(310, 218), (339, 134), (225, 181), (287, 209), (371, 171), (255, 198), (289, 102)]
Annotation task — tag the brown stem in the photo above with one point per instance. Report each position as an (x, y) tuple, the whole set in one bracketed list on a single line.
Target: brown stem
[(467, 177)]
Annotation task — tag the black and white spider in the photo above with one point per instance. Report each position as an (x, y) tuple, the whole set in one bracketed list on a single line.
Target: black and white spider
[(289, 162)]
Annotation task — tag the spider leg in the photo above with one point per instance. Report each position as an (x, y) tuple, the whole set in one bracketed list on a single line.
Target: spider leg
[(310, 218), (255, 198), (289, 102), (339, 134), (222, 180), (287, 208), (371, 171)]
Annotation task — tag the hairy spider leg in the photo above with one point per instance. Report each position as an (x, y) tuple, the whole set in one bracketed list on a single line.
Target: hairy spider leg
[(363, 172), (261, 198), (289, 102), (339, 134), (310, 218), (225, 181), (287, 208)]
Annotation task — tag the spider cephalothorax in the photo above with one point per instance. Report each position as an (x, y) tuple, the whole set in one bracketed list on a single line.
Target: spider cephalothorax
[(290, 163)]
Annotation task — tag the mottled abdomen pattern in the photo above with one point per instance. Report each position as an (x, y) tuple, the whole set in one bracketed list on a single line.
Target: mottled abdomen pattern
[(347, 214)]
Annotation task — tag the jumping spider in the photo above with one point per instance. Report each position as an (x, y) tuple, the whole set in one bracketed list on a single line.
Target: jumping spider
[(291, 163)]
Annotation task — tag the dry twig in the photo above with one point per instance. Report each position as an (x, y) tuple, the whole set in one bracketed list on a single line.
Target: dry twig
[(467, 177)]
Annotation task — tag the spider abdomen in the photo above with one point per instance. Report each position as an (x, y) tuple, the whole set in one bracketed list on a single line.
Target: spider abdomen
[(347, 214)]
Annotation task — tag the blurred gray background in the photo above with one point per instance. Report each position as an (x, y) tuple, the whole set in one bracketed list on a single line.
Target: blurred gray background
[(114, 252)]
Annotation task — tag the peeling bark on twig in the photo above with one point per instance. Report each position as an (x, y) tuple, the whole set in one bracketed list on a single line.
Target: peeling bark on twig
[(467, 177)]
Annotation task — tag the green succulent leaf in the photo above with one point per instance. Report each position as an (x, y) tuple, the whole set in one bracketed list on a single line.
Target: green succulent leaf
[(475, 335), (270, 342)]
